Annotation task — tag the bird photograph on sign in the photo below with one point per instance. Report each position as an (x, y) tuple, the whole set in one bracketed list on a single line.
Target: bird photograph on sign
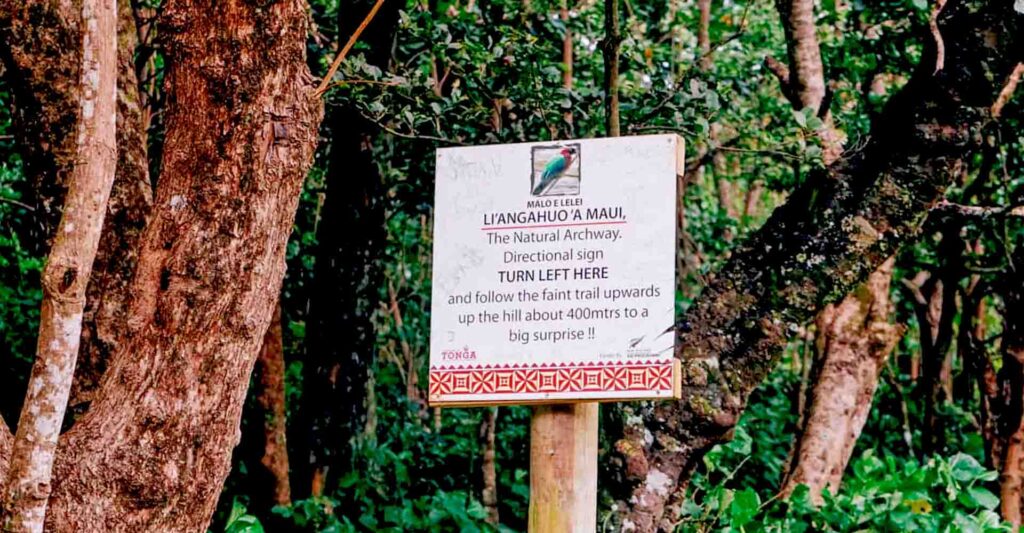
[(556, 170)]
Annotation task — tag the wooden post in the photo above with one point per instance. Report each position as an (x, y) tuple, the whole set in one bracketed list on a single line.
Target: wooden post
[(563, 468)]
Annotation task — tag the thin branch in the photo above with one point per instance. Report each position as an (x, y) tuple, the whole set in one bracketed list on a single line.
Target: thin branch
[(26, 489), (413, 136), (365, 82), (781, 71), (940, 45), (325, 83), (977, 211), (1008, 89), (12, 201)]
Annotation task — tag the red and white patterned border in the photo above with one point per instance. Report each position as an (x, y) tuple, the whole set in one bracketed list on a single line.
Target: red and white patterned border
[(506, 383)]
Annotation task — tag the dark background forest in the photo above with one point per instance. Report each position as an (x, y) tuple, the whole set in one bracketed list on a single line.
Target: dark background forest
[(336, 431)]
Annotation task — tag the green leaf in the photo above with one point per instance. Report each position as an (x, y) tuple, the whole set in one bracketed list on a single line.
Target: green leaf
[(744, 507), (984, 497), (801, 119)]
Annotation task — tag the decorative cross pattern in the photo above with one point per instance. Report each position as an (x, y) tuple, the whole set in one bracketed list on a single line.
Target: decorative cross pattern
[(528, 380)]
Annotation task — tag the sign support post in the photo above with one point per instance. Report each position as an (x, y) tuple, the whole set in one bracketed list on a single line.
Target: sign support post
[(563, 468)]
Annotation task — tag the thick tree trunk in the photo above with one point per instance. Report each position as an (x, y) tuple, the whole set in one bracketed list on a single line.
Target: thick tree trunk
[(66, 276), (347, 277), (154, 448), (270, 401), (833, 232), (857, 339), (42, 54)]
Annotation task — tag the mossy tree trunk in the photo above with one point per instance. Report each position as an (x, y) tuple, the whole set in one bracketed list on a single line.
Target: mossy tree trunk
[(836, 229)]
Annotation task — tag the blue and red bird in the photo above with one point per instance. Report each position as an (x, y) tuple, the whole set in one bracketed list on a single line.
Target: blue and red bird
[(554, 170)]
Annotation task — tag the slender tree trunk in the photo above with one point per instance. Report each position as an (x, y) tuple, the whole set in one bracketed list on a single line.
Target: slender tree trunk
[(864, 208), (270, 399), (704, 34), (1011, 377), (488, 467), (857, 341), (66, 276), (154, 448), (41, 58), (610, 48), (855, 337), (936, 316), (128, 210), (347, 277), (567, 61)]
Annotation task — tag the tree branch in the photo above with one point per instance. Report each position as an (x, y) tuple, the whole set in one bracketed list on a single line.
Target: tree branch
[(1008, 89)]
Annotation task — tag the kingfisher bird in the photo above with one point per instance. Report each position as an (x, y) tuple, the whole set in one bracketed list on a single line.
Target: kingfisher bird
[(554, 169)]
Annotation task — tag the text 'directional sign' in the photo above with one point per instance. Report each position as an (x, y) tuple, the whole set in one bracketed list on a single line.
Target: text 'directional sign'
[(554, 272)]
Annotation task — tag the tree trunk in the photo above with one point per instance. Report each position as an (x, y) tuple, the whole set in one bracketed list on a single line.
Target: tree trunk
[(803, 81), (810, 253), (154, 448), (131, 200), (41, 56), (66, 276), (1010, 430), (857, 338), (347, 277), (610, 48), (270, 400), (488, 467)]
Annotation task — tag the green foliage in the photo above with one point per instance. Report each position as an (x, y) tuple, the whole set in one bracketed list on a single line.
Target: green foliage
[(878, 494), (880, 491)]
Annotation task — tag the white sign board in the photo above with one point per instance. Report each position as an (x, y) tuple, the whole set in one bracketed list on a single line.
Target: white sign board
[(554, 271)]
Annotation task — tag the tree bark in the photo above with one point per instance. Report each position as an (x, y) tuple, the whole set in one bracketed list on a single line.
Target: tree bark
[(241, 127), (5, 447), (66, 276), (347, 277), (41, 53), (40, 58), (270, 400), (803, 82), (610, 48), (131, 200), (834, 231), (857, 338), (488, 467), (1010, 429)]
